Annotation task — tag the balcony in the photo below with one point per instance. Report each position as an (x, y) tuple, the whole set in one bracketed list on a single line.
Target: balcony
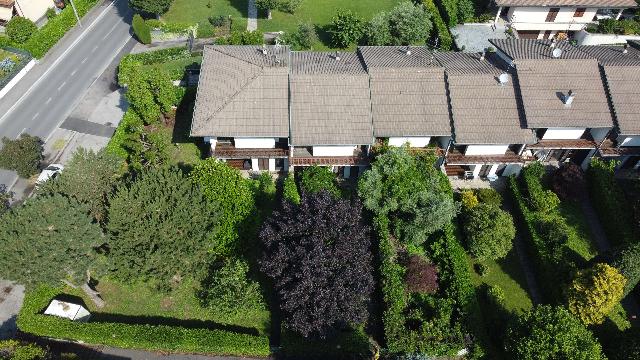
[(303, 157), (569, 144), (229, 151), (455, 157)]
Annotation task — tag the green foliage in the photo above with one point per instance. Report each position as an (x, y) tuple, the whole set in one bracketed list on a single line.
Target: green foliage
[(289, 6), (242, 38), (620, 27), (22, 155), (227, 288), (89, 178), (546, 333), (15, 350), (627, 261), (19, 29), (489, 232), (409, 24), (48, 35), (440, 31), (626, 346), (538, 198), (160, 226), (5, 199), (317, 178), (131, 62), (141, 29), (610, 202), (468, 199), (466, 11), (51, 13), (377, 32), (303, 38), (488, 196), (47, 240), (267, 5), (228, 192), (150, 93), (290, 190), (266, 193), (156, 7), (135, 336), (449, 11), (410, 191), (594, 292), (346, 28)]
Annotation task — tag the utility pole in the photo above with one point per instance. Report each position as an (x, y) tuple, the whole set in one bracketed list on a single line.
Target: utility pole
[(75, 12)]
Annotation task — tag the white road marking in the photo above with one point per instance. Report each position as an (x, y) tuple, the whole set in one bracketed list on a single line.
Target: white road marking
[(48, 101), (83, 61), (22, 132), (35, 116), (63, 84), (94, 49), (110, 31), (74, 72)]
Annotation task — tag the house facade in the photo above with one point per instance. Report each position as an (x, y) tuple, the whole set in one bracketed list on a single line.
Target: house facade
[(543, 19), (34, 10)]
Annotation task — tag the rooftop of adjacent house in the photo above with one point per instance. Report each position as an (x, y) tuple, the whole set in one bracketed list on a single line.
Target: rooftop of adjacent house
[(483, 96), (330, 99), (408, 91), (531, 49), (622, 72), (243, 91), (559, 3)]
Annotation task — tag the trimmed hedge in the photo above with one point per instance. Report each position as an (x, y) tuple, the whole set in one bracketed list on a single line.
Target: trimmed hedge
[(148, 337), (141, 29), (449, 11), (131, 61), (45, 38), (440, 28), (610, 202)]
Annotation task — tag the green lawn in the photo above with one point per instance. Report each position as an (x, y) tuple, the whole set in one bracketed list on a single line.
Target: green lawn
[(582, 244), (319, 13), (177, 68), (199, 11)]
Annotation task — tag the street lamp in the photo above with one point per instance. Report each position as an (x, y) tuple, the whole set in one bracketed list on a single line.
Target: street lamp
[(75, 12)]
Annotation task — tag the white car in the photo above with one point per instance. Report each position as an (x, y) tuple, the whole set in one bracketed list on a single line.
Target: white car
[(49, 172)]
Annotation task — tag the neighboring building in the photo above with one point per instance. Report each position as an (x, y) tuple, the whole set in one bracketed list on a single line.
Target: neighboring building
[(34, 10), (542, 19), (242, 105), (563, 97), (330, 111), (408, 96), (621, 69), (489, 129)]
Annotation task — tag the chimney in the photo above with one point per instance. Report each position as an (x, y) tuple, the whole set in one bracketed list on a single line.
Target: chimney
[(263, 50), (553, 43), (483, 54), (337, 56), (626, 48), (407, 50), (568, 99)]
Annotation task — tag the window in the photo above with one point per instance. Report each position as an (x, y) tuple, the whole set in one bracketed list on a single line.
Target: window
[(551, 16), (579, 12)]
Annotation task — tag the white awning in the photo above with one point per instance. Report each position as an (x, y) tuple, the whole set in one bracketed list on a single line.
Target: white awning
[(6, 13)]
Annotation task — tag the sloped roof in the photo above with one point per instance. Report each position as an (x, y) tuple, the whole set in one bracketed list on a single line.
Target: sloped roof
[(242, 92), (484, 112), (613, 55), (330, 102), (408, 92), (543, 83), (584, 3), (530, 49)]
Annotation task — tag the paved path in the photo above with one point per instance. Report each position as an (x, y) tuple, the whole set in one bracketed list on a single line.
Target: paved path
[(51, 90), (252, 17), (11, 297)]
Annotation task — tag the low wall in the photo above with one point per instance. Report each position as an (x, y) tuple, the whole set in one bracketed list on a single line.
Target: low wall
[(585, 38), (16, 77)]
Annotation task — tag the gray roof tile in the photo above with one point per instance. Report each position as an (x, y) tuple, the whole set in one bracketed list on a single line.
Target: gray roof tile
[(582, 3), (613, 55), (528, 49)]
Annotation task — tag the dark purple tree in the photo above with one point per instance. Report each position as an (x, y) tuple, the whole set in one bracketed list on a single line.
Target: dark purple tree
[(318, 256), (569, 182), (421, 276)]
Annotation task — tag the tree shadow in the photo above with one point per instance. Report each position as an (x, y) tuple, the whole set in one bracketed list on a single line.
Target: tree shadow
[(324, 34), (57, 348), (242, 6), (182, 125)]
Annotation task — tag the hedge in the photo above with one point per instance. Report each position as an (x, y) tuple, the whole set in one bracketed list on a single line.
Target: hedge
[(141, 29), (147, 337), (440, 28), (45, 38), (131, 61), (449, 11), (610, 202)]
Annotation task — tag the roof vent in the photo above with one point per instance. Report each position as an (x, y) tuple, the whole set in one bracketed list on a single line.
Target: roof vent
[(556, 53), (568, 99), (503, 79), (554, 42), (263, 50), (483, 54), (337, 56), (626, 49), (407, 51)]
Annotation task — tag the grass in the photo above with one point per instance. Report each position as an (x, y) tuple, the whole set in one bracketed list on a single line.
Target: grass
[(583, 244), (177, 68), (319, 13), (199, 11)]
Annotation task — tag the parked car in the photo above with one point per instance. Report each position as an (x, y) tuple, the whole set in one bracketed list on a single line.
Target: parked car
[(49, 172)]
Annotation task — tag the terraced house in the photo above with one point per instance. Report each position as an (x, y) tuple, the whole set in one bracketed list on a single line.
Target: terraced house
[(486, 115)]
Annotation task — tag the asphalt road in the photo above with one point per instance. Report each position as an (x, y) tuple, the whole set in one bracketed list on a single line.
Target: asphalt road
[(54, 96)]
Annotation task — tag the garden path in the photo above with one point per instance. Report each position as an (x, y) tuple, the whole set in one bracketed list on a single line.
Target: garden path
[(252, 17)]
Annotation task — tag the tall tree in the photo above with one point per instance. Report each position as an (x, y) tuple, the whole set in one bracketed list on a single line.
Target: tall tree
[(346, 28), (409, 190), (155, 7), (594, 292), (317, 178), (318, 256), (23, 155), (160, 227), (548, 333), (49, 239), (627, 261), (409, 24), (89, 178), (489, 231)]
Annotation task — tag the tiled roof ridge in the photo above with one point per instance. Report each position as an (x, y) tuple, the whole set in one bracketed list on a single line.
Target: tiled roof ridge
[(219, 48)]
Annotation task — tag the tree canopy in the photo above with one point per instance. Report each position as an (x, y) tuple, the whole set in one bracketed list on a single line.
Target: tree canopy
[(594, 292), (49, 239), (23, 155), (318, 256), (346, 28), (548, 332), (160, 226), (409, 24), (156, 7), (317, 178), (409, 189), (627, 261), (489, 231)]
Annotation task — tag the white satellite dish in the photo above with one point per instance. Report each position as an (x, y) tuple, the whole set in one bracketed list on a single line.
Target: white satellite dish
[(557, 52), (503, 78)]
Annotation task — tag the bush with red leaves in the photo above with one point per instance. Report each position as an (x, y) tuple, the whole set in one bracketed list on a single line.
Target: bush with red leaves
[(421, 276), (569, 182)]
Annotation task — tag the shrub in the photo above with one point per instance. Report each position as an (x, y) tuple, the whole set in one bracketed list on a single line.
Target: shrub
[(538, 198), (131, 62), (555, 233), (594, 292), (218, 21), (449, 11), (15, 350), (481, 269), (317, 178), (135, 336), (468, 199), (440, 30), (421, 276), (156, 7), (290, 190), (627, 261), (489, 232), (569, 182), (303, 38), (289, 6), (466, 11), (19, 29), (51, 13), (488, 196), (22, 155), (346, 29), (227, 289), (141, 29), (242, 38), (409, 24), (546, 333), (335, 271), (377, 32)]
